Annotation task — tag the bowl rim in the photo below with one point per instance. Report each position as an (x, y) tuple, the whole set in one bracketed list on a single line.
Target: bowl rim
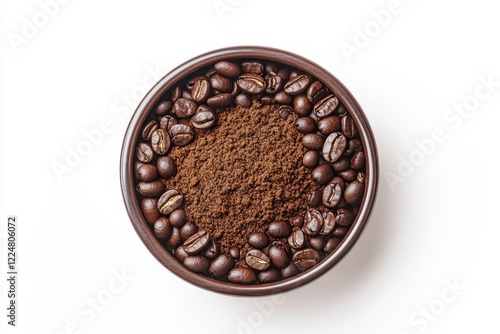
[(259, 53)]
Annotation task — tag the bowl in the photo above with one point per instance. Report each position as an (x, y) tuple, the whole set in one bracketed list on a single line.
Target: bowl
[(236, 54)]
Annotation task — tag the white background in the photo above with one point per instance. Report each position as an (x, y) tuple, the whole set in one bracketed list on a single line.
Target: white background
[(436, 227)]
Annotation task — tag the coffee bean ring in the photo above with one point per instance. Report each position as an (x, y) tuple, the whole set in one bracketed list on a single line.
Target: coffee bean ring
[(334, 153)]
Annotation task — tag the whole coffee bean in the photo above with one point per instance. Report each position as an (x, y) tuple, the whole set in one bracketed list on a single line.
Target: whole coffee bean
[(176, 93), (257, 260), (305, 125), (348, 126), (290, 271), (251, 83), (137, 165), (236, 89), (282, 98), (353, 145), (243, 100), (271, 67), (279, 257), (332, 244), (166, 166), (329, 125), (221, 265), (339, 231), (313, 222), (316, 92), (149, 209), (254, 67), (241, 276), (184, 108), (348, 175), (186, 95), (178, 218), (160, 141), (227, 69), (162, 228), (201, 89), (182, 134), (279, 229), (196, 263), (196, 242), (258, 240), (170, 201), (334, 146), (301, 105), (326, 106), (297, 239), (310, 159), (274, 84), (148, 129), (144, 152), (328, 223), (322, 174), (204, 118), (146, 173), (180, 254), (284, 112), (220, 100), (166, 122), (175, 239), (313, 141), (341, 165), (284, 73), (212, 250), (317, 243), (358, 160), (150, 189), (221, 83), (163, 107), (234, 252), (306, 258), (354, 192), (314, 199), (344, 217), (266, 100), (297, 221), (187, 230), (269, 276), (332, 193), (297, 84)]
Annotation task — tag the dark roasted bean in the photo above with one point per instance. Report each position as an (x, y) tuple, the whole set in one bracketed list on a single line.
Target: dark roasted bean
[(187, 230), (251, 83), (306, 258), (354, 190), (332, 193), (348, 126), (326, 106), (297, 221), (184, 108), (243, 100), (197, 242), (221, 83), (284, 111), (274, 83), (341, 165), (148, 129), (176, 93), (332, 244), (339, 231), (166, 166), (212, 250), (297, 84), (234, 252), (313, 222), (204, 118), (348, 175), (305, 125), (182, 134), (227, 69), (160, 141), (290, 271), (257, 260), (284, 73), (269, 276), (322, 174), (317, 243), (282, 98), (310, 159), (314, 199), (241, 276), (343, 217), (329, 125), (220, 100), (301, 105), (166, 122), (258, 240), (279, 257), (196, 263), (313, 141), (353, 145), (266, 100), (144, 152), (171, 200), (279, 229), (201, 89), (271, 67), (147, 172), (150, 189), (175, 239), (221, 265), (358, 160), (297, 239), (180, 254), (163, 107), (328, 223), (254, 67), (334, 146), (149, 209), (316, 92), (162, 228), (178, 218)]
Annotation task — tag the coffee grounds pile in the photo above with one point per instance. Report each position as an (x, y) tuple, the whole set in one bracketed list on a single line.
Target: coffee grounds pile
[(243, 174)]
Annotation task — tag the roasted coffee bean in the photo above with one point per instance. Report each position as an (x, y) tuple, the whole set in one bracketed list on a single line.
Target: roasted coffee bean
[(166, 122), (254, 67), (251, 83), (212, 250), (353, 145), (297, 239), (182, 134), (279, 257), (220, 100), (322, 174), (329, 125), (221, 265), (328, 223), (180, 254), (269, 276), (332, 193), (266, 100), (221, 83), (326, 106), (178, 218), (316, 92), (271, 67), (138, 165), (144, 152), (297, 84), (176, 93), (339, 231), (149, 209), (186, 95), (175, 239), (284, 73), (314, 199), (258, 240), (310, 159), (160, 141), (305, 125), (204, 118), (348, 175), (184, 108), (241, 276), (297, 221), (334, 146), (150, 189), (343, 217), (163, 107), (306, 258), (279, 229), (166, 167), (257, 260), (187, 230), (148, 129), (341, 165), (313, 222), (197, 242), (358, 160), (348, 126), (284, 112), (282, 98), (146, 172), (354, 191), (243, 100), (201, 89), (196, 263), (236, 89), (301, 105), (234, 252), (313, 141), (317, 243), (290, 271), (227, 69), (332, 244), (162, 228), (274, 84), (170, 201)]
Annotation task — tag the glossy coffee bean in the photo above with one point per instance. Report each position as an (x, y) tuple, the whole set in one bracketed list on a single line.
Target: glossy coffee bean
[(297, 84), (358, 160), (283, 98), (221, 83), (353, 145), (348, 175), (144, 152), (297, 239), (310, 159), (180, 254), (279, 229), (221, 265), (251, 83), (348, 126), (306, 258), (254, 67), (329, 125), (317, 243), (328, 223), (149, 209), (243, 100), (181, 134), (332, 193), (258, 240), (187, 230), (196, 242), (322, 174), (343, 217), (178, 218), (160, 141), (235, 253), (301, 105), (316, 92), (297, 221), (274, 83), (313, 141), (279, 257), (334, 146), (269, 276), (332, 244), (196, 263), (266, 100), (241, 276), (184, 108), (270, 67), (201, 89), (339, 231), (313, 222), (212, 250), (168, 202), (341, 165), (204, 118), (167, 121), (166, 166), (314, 199), (176, 93), (150, 189), (175, 239), (163, 107), (290, 270), (284, 112), (220, 100), (146, 172), (326, 106), (186, 95), (257, 259), (354, 192), (236, 89), (305, 125), (162, 228), (148, 129), (227, 69), (284, 73)]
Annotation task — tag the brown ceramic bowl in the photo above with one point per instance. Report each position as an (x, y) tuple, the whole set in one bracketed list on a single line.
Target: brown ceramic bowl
[(247, 52)]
